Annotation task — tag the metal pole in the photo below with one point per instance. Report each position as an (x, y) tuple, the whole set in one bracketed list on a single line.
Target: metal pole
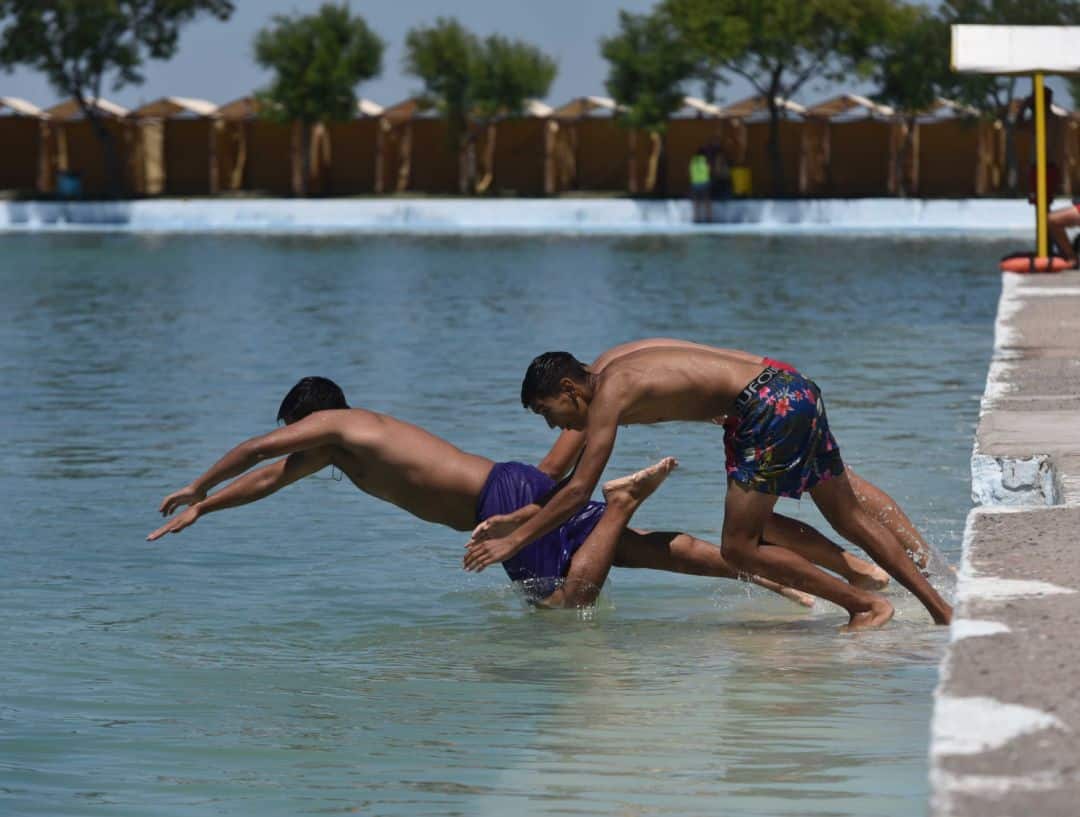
[(1041, 242)]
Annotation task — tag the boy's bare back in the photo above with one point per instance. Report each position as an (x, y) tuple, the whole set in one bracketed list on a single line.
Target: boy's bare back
[(661, 384)]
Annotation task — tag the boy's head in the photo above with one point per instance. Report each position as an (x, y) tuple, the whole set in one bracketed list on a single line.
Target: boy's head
[(311, 394), (556, 388)]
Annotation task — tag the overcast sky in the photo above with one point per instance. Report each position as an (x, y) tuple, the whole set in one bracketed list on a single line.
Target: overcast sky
[(215, 62)]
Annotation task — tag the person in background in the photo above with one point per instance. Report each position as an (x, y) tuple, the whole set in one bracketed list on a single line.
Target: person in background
[(700, 183), (1058, 223)]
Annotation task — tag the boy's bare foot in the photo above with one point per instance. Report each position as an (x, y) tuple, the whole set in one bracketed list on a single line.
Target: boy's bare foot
[(870, 577), (634, 489), (877, 616)]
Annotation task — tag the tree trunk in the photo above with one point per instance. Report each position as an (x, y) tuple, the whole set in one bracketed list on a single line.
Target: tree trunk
[(487, 164), (776, 162), (114, 172)]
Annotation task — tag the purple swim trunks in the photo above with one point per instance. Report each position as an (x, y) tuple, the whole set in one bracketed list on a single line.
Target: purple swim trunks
[(512, 485), (781, 444)]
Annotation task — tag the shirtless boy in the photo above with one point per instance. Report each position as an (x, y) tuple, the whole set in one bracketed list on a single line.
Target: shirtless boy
[(568, 446), (782, 447), (435, 481)]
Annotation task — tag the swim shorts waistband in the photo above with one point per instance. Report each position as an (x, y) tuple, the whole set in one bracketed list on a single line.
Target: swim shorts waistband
[(752, 388)]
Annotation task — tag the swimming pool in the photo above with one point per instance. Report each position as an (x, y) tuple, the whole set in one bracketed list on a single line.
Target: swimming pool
[(322, 651)]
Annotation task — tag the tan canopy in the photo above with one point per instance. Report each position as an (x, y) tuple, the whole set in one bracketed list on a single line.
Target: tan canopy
[(70, 109), (20, 107), (172, 106), (845, 104), (754, 105), (586, 106), (695, 106), (246, 107)]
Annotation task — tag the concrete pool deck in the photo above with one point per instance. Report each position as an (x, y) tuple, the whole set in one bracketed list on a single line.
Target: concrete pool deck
[(1006, 716)]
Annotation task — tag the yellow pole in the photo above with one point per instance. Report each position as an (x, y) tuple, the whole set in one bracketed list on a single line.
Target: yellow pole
[(1041, 242)]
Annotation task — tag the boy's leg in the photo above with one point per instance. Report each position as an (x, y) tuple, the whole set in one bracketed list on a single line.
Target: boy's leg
[(592, 561), (677, 552), (746, 513), (814, 546), (1056, 222), (842, 509), (887, 511)]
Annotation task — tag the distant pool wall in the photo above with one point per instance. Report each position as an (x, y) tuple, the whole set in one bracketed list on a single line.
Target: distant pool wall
[(563, 215)]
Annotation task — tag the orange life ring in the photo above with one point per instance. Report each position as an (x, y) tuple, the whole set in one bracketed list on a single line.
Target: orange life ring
[(1027, 263)]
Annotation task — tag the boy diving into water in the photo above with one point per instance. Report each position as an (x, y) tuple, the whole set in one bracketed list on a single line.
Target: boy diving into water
[(778, 444), (437, 482)]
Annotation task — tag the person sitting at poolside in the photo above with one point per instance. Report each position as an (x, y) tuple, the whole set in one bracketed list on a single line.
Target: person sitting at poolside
[(427, 476), (782, 447), (1058, 222)]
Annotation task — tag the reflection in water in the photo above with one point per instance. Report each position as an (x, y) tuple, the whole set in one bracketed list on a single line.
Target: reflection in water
[(325, 652)]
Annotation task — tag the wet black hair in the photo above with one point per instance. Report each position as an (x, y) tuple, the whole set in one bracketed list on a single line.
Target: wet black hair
[(546, 371), (311, 394)]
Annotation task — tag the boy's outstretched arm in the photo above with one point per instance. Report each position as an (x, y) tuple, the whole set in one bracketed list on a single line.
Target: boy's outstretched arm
[(320, 428), (563, 454), (250, 487)]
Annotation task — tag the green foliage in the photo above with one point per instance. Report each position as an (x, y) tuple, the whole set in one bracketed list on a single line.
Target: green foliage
[(77, 43), (507, 73), (444, 57), (913, 67), (779, 45), (464, 76), (647, 65), (317, 60)]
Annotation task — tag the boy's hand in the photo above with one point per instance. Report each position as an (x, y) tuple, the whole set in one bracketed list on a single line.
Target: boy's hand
[(495, 527), (185, 496), (483, 554), (177, 523)]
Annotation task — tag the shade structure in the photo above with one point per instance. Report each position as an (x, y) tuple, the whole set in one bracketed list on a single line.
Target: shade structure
[(77, 149), (22, 127), (978, 49), (849, 148), (189, 136), (957, 153)]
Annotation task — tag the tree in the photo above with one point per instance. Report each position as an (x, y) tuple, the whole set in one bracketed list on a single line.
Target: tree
[(913, 70), (473, 82), (317, 60), (780, 45), (507, 73), (993, 95), (647, 65), (78, 45)]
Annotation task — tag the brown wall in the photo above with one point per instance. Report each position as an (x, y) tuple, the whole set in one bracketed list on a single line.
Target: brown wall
[(269, 157), (603, 154), (434, 162), (86, 156), (352, 157), (20, 138), (758, 157), (188, 156), (519, 157), (859, 158), (948, 153)]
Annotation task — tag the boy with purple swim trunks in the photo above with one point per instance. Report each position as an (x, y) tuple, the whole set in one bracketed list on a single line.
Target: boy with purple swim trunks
[(783, 446)]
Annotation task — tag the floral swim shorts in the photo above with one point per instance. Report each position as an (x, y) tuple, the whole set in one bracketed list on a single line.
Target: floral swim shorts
[(778, 439)]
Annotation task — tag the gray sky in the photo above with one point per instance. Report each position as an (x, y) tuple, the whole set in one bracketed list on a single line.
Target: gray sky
[(215, 60)]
